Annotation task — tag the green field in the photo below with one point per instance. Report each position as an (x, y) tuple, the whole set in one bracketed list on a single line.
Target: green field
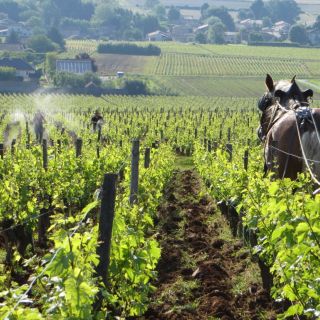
[(210, 70)]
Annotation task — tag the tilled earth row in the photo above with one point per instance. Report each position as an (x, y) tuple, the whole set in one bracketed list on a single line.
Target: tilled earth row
[(203, 273)]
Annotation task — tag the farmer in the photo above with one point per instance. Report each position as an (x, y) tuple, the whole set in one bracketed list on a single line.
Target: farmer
[(96, 120), (38, 121)]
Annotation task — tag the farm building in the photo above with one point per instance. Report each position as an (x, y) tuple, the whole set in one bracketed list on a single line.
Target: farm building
[(74, 66), (23, 69), (20, 28), (201, 28), (12, 47), (182, 33), (282, 27), (232, 37), (158, 36), (250, 24)]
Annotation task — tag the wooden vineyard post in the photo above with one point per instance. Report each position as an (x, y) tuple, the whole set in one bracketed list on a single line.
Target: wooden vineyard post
[(246, 159), (147, 158), (44, 219), (28, 141), (1, 150), (78, 147), (105, 231), (229, 150), (99, 134), (134, 183), (12, 146), (59, 145), (98, 152), (209, 146), (45, 154), (229, 134)]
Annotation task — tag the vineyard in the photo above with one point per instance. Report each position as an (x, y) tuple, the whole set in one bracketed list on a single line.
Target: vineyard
[(57, 191), (183, 64)]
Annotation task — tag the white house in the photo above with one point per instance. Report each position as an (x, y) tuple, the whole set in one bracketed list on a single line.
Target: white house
[(76, 66), (250, 24), (201, 28), (282, 27), (158, 36)]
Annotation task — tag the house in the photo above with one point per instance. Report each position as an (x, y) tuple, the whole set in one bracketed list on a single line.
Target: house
[(314, 36), (232, 37), (77, 66), (202, 28), (23, 69), (120, 74), (12, 47), (20, 28), (282, 27), (182, 33), (158, 36), (271, 35), (250, 24)]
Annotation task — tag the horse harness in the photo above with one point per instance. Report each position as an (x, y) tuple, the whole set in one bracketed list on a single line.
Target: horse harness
[(302, 113)]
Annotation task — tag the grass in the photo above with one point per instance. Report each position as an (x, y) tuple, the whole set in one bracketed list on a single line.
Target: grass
[(184, 163), (213, 86), (109, 64)]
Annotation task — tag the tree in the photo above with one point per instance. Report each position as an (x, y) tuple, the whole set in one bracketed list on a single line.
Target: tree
[(13, 37), (266, 22), (55, 36), (223, 14), (203, 9), (216, 32), (200, 38), (255, 37), (103, 13), (173, 14), (41, 43), (146, 24), (258, 9), (133, 34), (317, 23), (298, 34), (11, 8), (75, 9), (151, 3), (286, 10), (245, 14), (160, 12), (50, 63), (50, 13), (135, 87)]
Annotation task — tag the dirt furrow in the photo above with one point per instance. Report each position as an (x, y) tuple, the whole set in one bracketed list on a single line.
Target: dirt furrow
[(204, 273)]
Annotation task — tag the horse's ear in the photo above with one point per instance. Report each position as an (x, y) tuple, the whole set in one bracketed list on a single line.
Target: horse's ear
[(308, 93), (293, 79), (269, 83)]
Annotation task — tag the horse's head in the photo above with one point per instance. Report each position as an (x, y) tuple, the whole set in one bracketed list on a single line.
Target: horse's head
[(287, 93)]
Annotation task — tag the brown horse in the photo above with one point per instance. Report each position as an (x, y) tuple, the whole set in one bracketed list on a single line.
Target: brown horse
[(290, 129)]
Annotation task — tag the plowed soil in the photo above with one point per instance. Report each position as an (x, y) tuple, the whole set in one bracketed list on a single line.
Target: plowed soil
[(203, 273)]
